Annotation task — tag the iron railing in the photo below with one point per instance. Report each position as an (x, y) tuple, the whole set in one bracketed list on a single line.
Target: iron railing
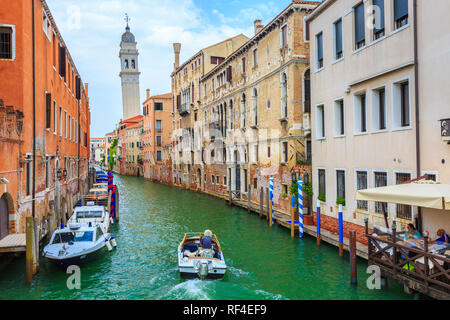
[(445, 128)]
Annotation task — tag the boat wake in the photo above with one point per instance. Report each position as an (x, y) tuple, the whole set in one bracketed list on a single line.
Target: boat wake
[(189, 290), (238, 272), (270, 296)]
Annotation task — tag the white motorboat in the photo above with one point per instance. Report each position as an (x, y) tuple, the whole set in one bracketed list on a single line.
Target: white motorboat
[(86, 234), (91, 214), (76, 244), (194, 262)]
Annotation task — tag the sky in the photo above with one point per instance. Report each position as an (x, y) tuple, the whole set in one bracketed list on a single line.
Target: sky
[(92, 31)]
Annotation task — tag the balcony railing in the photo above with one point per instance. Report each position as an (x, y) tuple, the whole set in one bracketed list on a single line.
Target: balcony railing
[(445, 128), (184, 109)]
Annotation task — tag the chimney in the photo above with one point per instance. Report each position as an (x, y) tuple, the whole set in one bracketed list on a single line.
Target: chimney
[(258, 26), (148, 94), (176, 50)]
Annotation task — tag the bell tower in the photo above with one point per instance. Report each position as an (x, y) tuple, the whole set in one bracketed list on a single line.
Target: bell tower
[(129, 74)]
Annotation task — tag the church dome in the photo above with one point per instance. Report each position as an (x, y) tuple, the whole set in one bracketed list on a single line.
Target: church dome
[(128, 36)]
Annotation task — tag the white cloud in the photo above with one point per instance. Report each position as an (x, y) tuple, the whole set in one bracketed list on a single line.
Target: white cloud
[(156, 24)]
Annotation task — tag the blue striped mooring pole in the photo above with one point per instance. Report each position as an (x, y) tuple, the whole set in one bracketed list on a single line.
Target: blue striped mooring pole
[(271, 199), (300, 208), (318, 222)]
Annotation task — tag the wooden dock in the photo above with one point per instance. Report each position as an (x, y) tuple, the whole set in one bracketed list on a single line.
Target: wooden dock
[(13, 243)]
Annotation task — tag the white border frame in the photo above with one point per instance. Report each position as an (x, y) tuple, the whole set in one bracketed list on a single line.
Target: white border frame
[(334, 117)]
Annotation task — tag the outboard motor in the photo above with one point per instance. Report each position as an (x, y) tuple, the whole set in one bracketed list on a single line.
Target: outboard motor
[(203, 270)]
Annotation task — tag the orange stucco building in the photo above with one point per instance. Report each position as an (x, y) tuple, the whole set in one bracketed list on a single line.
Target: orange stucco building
[(157, 136), (44, 118)]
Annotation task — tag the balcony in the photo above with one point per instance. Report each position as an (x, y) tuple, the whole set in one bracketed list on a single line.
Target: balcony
[(445, 130), (184, 109)]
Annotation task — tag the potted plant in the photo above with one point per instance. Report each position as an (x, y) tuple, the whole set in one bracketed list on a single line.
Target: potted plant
[(322, 197), (340, 201)]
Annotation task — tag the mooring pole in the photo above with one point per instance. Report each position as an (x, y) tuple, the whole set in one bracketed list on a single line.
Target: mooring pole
[(249, 197), (261, 201), (292, 216), (268, 203), (271, 180), (29, 250), (318, 222), (353, 276), (341, 232), (229, 198)]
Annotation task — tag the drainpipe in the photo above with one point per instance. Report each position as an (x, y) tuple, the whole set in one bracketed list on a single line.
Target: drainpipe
[(416, 102), (33, 206)]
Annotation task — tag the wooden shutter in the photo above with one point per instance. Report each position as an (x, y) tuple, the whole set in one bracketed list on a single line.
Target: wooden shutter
[(359, 23), (229, 73), (179, 101), (338, 36), (48, 110), (78, 88), (380, 5), (62, 61), (320, 46), (400, 9)]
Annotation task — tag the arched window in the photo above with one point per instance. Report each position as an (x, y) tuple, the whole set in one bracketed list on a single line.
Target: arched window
[(284, 96), (243, 102), (254, 107)]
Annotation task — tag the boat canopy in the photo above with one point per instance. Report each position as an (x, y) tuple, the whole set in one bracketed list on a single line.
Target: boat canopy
[(420, 194)]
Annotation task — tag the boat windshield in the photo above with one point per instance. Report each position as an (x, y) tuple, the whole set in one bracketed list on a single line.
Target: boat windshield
[(66, 237), (89, 214)]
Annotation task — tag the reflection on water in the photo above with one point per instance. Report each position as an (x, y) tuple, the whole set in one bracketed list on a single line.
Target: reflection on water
[(263, 263)]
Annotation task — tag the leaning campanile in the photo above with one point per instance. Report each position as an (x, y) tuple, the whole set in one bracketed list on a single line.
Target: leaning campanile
[(129, 74)]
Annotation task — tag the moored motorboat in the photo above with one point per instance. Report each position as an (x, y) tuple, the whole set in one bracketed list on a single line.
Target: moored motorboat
[(76, 244), (194, 262)]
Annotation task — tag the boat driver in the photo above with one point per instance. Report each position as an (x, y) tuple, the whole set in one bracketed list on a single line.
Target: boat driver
[(206, 244)]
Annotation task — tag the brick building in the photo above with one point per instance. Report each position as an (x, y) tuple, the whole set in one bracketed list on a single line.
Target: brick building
[(44, 118), (187, 94), (158, 122)]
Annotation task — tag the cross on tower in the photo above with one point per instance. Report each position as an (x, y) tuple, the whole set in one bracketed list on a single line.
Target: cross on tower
[(127, 19)]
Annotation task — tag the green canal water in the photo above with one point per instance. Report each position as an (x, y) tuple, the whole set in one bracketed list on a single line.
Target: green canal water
[(263, 263)]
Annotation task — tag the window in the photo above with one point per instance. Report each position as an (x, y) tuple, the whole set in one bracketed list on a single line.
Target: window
[(158, 126), (284, 152), (217, 60), (133, 64), (6, 43), (268, 152), (360, 114), (158, 156), (158, 141), (224, 180), (65, 124), (320, 122), (360, 36), (339, 118), (284, 95), (46, 26), (401, 112), (340, 184), (403, 211), (55, 123), (62, 62), (48, 110), (255, 57), (284, 189), (47, 172), (308, 150), (213, 179), (255, 184), (322, 184), (158, 106), (243, 65), (379, 114), (70, 128), (400, 13), (29, 175), (217, 180), (319, 51), (60, 121), (380, 181), (338, 52), (284, 41), (378, 11), (361, 184)]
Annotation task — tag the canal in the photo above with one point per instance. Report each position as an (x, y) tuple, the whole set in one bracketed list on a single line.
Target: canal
[(263, 263)]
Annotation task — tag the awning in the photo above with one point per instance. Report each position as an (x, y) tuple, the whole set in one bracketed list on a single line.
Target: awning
[(436, 196)]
